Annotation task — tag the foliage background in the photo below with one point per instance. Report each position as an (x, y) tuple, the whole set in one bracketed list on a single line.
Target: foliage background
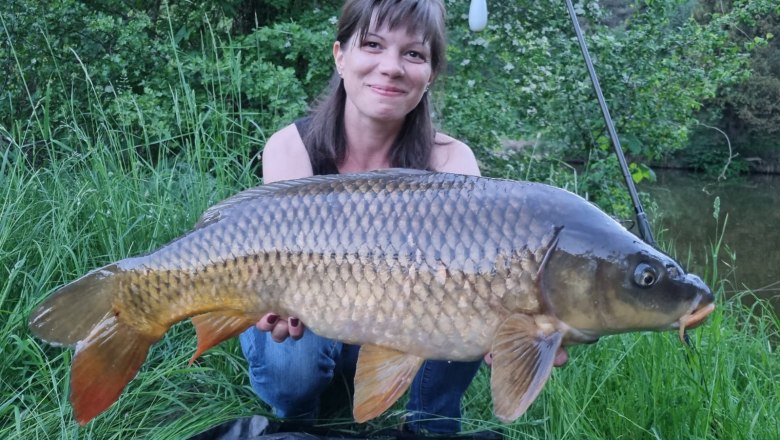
[(250, 67), (120, 122)]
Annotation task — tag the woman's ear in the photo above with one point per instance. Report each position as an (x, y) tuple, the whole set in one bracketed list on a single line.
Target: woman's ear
[(338, 57)]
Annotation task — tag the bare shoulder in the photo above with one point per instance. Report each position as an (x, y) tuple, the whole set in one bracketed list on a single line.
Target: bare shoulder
[(453, 156), (285, 157)]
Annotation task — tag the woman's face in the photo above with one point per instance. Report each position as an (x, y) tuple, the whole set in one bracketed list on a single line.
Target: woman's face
[(385, 75)]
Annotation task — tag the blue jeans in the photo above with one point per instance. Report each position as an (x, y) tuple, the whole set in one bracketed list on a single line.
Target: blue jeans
[(292, 375)]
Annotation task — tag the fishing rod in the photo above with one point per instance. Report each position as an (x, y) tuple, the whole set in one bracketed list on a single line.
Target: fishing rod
[(641, 219), (478, 21)]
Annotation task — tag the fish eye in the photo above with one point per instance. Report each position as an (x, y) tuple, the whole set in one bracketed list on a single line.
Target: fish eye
[(645, 275)]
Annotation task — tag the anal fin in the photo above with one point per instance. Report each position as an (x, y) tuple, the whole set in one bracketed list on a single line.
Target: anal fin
[(382, 376), (216, 327), (523, 355)]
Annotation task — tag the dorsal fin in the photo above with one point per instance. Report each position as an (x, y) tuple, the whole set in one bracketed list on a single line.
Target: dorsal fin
[(221, 209)]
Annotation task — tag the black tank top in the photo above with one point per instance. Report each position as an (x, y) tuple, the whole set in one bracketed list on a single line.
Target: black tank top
[(324, 166)]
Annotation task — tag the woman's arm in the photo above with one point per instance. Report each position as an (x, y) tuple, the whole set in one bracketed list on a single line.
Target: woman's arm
[(285, 157), (450, 155)]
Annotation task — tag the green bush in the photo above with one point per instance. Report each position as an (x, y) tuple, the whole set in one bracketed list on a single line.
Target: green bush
[(154, 69), (161, 72), (524, 78)]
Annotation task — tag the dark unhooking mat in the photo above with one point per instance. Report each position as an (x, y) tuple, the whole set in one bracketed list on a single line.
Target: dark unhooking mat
[(260, 428)]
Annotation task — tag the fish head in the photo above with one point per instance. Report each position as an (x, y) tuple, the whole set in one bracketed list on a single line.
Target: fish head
[(620, 284)]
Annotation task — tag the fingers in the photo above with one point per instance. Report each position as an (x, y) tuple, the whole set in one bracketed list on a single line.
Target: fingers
[(561, 357), (267, 322), (295, 327), (281, 329)]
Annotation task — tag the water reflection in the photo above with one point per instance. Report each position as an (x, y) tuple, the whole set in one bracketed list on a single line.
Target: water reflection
[(685, 205)]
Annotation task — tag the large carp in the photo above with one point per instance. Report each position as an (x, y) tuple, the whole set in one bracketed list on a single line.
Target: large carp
[(411, 265)]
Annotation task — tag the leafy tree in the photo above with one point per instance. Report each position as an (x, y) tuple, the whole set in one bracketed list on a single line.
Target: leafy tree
[(183, 73), (657, 66), (150, 66), (749, 111)]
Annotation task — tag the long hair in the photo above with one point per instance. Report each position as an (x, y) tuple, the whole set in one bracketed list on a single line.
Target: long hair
[(325, 137)]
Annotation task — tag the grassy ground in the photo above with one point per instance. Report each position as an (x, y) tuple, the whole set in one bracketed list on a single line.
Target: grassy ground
[(65, 210), (68, 208)]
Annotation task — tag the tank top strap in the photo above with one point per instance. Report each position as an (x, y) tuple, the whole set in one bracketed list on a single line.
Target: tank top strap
[(319, 169)]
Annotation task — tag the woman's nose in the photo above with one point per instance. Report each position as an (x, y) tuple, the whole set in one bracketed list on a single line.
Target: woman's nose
[(391, 65)]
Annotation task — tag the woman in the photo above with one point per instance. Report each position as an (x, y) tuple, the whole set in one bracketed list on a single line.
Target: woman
[(376, 115)]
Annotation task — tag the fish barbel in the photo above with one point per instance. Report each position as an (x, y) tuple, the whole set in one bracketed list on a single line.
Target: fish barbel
[(411, 265)]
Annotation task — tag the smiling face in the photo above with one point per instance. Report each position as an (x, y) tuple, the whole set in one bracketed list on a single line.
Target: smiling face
[(385, 74)]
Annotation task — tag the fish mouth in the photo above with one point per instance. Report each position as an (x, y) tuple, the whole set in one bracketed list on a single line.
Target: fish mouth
[(695, 316)]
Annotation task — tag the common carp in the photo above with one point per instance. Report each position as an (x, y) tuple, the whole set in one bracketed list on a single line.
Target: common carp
[(411, 265)]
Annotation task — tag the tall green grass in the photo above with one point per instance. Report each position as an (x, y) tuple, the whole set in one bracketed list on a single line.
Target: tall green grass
[(108, 192), (65, 210), (77, 196)]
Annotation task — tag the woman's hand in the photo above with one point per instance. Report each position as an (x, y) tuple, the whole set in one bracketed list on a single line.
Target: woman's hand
[(281, 329)]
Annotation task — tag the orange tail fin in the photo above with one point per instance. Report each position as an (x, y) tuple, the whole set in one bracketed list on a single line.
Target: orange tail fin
[(74, 310), (104, 364), (108, 351)]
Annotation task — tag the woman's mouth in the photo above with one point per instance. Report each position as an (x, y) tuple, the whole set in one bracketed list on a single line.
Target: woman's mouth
[(387, 90)]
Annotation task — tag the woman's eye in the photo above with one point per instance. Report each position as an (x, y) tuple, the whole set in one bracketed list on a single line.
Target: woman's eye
[(416, 56), (645, 275)]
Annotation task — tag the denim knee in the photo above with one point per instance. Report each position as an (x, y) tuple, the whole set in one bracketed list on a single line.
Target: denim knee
[(289, 375), (435, 396)]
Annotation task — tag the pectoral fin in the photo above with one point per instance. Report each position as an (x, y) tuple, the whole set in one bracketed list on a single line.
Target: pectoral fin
[(382, 376), (215, 327), (523, 355)]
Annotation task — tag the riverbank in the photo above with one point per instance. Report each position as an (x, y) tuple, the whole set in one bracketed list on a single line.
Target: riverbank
[(695, 213), (695, 158), (763, 161)]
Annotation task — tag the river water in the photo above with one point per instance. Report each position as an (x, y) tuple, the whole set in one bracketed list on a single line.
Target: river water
[(750, 209)]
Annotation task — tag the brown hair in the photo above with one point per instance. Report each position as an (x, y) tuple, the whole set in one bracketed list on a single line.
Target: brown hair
[(325, 138)]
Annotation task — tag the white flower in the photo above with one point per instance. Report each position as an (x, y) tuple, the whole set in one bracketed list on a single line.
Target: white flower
[(509, 67), (465, 62), (479, 42), (471, 83), (333, 20)]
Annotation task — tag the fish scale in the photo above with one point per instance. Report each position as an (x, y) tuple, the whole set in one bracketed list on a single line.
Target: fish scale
[(412, 265), (393, 244)]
